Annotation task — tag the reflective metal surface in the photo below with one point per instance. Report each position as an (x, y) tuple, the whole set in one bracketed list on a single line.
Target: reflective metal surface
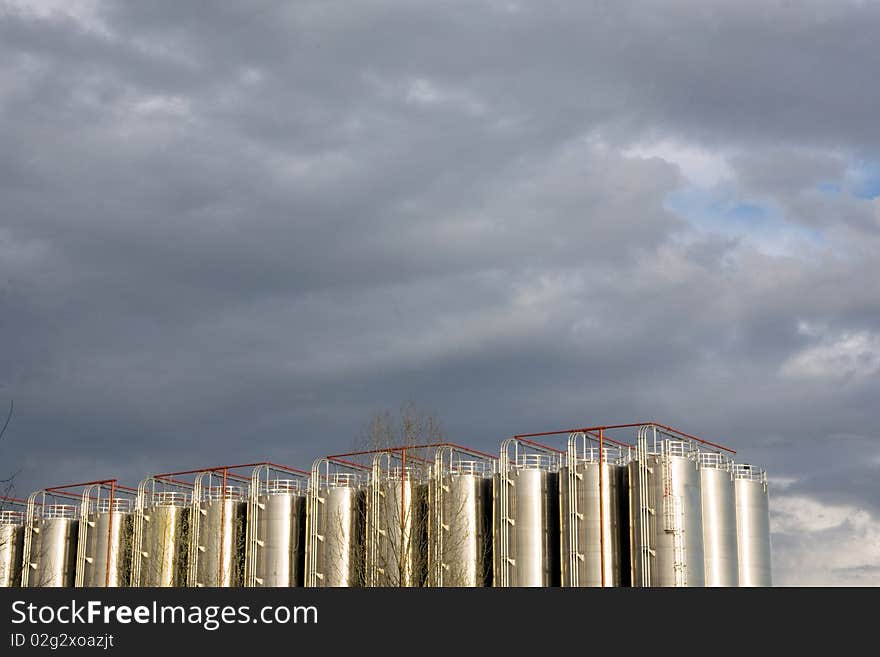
[(53, 547), (666, 517), (531, 523), (218, 539), (719, 520), (397, 537), (335, 551), (11, 547), (460, 528), (280, 535), (165, 543), (753, 526), (107, 544), (589, 521)]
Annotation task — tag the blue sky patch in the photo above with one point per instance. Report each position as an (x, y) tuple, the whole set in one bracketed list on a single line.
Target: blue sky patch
[(866, 180), (718, 211), (830, 187)]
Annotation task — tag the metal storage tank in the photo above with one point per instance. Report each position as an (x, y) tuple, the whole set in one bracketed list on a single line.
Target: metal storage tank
[(595, 529), (106, 543), (666, 525), (460, 526), (335, 554), (526, 525), (719, 520), (217, 537), (277, 532), (752, 525), (161, 538), (11, 544), (51, 553), (397, 537)]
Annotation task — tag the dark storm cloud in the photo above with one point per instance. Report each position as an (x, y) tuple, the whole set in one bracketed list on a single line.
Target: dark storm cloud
[(233, 234)]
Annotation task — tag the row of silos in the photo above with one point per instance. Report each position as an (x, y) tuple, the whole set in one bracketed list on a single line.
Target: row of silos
[(665, 512), (562, 516), (68, 538), (410, 517), (171, 531), (221, 529), (697, 518)]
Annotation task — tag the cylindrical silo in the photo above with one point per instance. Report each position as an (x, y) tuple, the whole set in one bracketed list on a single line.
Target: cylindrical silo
[(53, 546), (595, 530), (107, 544), (11, 544), (397, 537), (752, 525), (666, 524), (164, 545), (278, 535), (527, 531), (335, 540), (217, 540), (719, 520), (460, 524)]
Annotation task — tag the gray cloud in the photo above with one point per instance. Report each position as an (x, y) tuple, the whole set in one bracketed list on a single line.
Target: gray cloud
[(234, 234)]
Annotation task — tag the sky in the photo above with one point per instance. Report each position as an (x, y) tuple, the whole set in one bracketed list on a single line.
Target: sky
[(233, 231)]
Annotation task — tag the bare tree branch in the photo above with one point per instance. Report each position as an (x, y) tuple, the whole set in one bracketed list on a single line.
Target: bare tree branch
[(8, 418), (8, 481)]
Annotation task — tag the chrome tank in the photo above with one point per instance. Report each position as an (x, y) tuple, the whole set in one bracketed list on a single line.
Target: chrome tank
[(460, 527), (397, 537), (165, 543), (719, 520), (335, 553), (53, 547), (671, 544), (752, 525), (11, 545), (218, 540), (587, 524), (279, 553), (107, 545), (532, 484)]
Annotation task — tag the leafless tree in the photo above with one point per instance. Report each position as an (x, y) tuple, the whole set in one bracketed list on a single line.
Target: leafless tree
[(409, 541), (8, 481), (11, 535), (408, 427), (395, 512)]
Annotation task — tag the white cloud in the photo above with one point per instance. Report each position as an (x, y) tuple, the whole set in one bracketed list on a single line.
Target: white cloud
[(86, 13), (18, 255), (817, 544), (698, 165), (781, 483), (421, 91), (799, 515), (160, 104), (842, 355)]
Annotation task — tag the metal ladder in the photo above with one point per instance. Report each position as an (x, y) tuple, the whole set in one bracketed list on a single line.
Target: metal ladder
[(673, 514), (646, 511), (575, 515), (506, 520)]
